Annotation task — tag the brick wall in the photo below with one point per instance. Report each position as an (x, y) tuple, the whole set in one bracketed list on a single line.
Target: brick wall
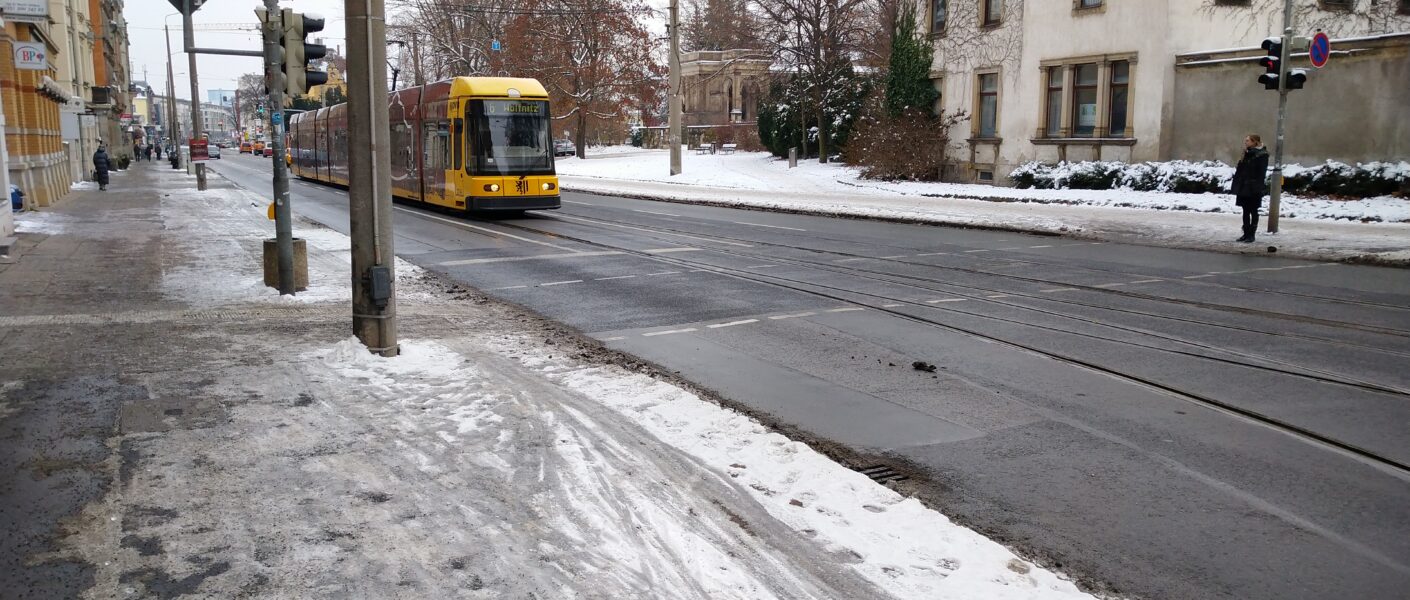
[(37, 163)]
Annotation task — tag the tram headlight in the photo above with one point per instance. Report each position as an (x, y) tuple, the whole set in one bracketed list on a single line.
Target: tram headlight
[(547, 187), (492, 187)]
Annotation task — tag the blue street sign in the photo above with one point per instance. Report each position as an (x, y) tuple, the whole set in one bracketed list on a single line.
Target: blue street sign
[(494, 45), (278, 118), (1320, 50)]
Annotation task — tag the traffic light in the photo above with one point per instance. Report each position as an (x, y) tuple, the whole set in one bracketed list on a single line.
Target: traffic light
[(297, 75), (1272, 64), (1296, 77)]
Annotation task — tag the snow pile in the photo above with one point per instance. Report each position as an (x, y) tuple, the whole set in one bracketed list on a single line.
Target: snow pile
[(1183, 177), (900, 545)]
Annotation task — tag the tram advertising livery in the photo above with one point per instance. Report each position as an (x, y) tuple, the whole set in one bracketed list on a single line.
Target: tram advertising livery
[(469, 143)]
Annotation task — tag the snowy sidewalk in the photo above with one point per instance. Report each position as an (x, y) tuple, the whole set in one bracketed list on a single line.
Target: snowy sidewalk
[(240, 445), (1312, 228)]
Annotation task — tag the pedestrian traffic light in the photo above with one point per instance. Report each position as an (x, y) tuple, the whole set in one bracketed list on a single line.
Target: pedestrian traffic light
[(298, 77), (1272, 63), (1296, 77)]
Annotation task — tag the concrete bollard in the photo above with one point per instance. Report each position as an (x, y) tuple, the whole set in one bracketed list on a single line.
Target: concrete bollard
[(271, 263), (792, 157)]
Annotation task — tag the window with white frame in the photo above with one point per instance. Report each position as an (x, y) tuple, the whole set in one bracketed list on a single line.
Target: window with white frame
[(1118, 95), (1084, 100)]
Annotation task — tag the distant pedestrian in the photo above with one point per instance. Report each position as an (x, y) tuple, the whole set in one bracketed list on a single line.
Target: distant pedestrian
[(136, 152), (159, 151), (1250, 183), (101, 164), (147, 152)]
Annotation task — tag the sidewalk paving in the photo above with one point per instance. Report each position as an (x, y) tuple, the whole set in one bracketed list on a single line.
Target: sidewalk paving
[(756, 180), (170, 427)]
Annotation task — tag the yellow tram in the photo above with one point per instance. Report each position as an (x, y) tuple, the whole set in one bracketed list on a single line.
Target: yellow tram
[(469, 143)]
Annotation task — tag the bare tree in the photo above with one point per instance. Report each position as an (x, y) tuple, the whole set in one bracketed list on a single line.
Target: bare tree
[(818, 41), (719, 25), (1265, 17)]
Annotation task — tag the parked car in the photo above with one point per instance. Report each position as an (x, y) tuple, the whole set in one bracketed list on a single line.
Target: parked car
[(259, 146), (564, 148), (269, 150), (213, 151), (247, 148)]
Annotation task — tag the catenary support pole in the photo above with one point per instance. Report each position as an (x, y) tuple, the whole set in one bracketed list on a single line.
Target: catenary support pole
[(274, 80), (1275, 190), (186, 11), (675, 100), (369, 178), (173, 132)]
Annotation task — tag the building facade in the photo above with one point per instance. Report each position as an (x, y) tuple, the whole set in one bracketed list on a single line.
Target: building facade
[(1138, 80), (36, 160), (722, 87)]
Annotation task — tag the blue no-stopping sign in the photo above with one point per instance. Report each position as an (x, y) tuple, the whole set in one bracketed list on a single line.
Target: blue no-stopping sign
[(1320, 50)]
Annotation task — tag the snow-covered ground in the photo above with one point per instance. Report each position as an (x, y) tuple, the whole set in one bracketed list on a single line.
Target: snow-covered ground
[(759, 171), (1312, 227), (490, 459)]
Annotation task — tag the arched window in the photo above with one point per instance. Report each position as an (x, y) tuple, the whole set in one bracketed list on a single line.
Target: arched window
[(729, 102)]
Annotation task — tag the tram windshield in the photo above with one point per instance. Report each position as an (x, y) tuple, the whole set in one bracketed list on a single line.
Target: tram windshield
[(510, 137)]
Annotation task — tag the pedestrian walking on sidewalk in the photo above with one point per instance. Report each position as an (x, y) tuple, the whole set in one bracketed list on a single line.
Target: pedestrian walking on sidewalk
[(159, 151), (147, 152), (101, 164), (1250, 183)]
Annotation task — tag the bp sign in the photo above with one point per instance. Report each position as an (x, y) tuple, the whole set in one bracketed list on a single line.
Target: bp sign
[(1319, 50), (31, 56)]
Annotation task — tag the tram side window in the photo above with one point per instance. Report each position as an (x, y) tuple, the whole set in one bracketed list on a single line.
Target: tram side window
[(436, 149)]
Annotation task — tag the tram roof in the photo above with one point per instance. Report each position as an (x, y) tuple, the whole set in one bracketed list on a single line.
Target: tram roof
[(497, 87)]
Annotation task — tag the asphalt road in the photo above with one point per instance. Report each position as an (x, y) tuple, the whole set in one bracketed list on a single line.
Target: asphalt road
[(1165, 423)]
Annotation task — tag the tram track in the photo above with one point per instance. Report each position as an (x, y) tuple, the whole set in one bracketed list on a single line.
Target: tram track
[(1399, 467)]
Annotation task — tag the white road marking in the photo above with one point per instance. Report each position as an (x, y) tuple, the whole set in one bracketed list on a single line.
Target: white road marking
[(617, 277), (802, 314), (582, 203), (560, 282), (1013, 248), (946, 300), (1147, 281), (655, 213), (969, 251), (932, 253), (848, 309), (702, 270), (843, 260), (613, 338), (485, 261), (1051, 290), (512, 287), (897, 256), (1108, 285), (760, 266), (1199, 276), (620, 226), (769, 226), (1047, 246), (484, 229), (669, 332), (732, 323), (670, 250), (891, 305), (999, 296), (662, 273)]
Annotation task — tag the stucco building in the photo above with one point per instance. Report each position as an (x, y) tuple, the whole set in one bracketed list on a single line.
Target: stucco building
[(1136, 80), (720, 87)]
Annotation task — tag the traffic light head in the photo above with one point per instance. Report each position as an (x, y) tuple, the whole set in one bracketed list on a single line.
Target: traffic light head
[(1272, 63), (297, 75), (1296, 78)]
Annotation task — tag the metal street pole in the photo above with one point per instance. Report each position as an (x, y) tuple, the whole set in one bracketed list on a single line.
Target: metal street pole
[(274, 81), (675, 100), (1275, 191), (369, 178), (173, 128), (186, 11)]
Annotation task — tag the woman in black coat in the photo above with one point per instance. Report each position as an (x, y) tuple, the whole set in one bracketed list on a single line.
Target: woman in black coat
[(1250, 183), (101, 164)]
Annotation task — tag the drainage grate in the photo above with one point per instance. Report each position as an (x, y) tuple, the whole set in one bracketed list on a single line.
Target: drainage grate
[(882, 474)]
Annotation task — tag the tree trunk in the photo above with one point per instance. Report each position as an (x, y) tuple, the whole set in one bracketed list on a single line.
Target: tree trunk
[(581, 133)]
